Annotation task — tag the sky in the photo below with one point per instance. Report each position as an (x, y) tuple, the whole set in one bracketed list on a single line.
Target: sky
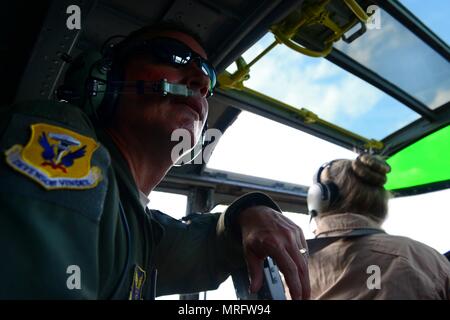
[(434, 13), (325, 89), (396, 54), (261, 147)]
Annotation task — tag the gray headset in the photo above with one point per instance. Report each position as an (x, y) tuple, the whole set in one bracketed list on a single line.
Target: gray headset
[(321, 194)]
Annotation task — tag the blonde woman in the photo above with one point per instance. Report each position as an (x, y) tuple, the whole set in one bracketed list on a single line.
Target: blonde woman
[(359, 260)]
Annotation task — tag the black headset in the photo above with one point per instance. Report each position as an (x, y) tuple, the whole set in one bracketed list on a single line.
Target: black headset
[(93, 80), (321, 194)]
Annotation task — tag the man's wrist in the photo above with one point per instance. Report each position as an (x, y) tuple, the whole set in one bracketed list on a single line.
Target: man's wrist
[(243, 203)]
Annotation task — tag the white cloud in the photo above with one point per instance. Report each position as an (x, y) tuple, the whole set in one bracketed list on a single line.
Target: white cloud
[(261, 147), (442, 96), (321, 71), (356, 99), (374, 43), (423, 218), (314, 84)]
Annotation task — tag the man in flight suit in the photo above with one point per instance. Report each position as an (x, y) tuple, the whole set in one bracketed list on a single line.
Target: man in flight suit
[(73, 195)]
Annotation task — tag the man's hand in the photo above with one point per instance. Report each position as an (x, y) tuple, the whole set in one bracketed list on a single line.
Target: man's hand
[(265, 232)]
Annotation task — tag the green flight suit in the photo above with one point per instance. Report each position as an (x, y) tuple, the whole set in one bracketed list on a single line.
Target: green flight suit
[(92, 238)]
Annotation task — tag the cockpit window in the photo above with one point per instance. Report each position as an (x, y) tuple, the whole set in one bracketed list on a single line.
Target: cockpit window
[(260, 147), (170, 203), (322, 87), (399, 56), (422, 217)]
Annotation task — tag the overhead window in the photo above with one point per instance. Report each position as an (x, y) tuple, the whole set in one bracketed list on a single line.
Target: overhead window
[(399, 56), (325, 89)]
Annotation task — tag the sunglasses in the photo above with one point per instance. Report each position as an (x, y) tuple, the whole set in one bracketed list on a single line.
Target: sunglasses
[(175, 53)]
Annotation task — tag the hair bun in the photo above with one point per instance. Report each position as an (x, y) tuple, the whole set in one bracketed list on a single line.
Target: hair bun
[(372, 169)]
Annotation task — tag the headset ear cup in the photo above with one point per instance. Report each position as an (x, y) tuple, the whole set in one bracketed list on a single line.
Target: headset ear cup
[(317, 199), (109, 102), (114, 75), (75, 88), (322, 195), (318, 194)]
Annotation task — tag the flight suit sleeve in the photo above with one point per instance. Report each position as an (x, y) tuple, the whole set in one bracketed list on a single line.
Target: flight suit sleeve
[(43, 255), (49, 229), (200, 254)]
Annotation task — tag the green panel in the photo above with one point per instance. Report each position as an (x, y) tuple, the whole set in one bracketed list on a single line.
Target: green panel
[(425, 161)]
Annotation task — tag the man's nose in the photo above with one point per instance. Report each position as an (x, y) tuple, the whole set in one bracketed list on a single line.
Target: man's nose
[(197, 79)]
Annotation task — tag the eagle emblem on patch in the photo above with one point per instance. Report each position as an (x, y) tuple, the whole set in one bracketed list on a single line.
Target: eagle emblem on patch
[(56, 158)]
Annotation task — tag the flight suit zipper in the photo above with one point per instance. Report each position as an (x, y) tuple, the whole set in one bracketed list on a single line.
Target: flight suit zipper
[(150, 286)]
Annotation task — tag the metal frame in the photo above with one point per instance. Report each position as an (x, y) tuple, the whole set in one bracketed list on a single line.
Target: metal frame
[(437, 186), (227, 118), (416, 130), (253, 29), (224, 187), (267, 109), (45, 66)]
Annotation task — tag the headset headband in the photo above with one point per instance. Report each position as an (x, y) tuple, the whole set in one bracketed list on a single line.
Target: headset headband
[(323, 167)]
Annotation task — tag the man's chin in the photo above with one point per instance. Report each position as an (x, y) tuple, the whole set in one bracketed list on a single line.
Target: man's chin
[(188, 133)]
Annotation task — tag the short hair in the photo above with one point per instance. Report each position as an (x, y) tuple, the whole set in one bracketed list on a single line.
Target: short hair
[(361, 186)]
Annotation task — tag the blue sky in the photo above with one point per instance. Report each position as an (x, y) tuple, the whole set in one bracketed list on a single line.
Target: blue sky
[(433, 13), (399, 56), (334, 94)]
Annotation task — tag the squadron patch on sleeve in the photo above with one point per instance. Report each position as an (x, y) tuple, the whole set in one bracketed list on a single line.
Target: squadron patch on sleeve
[(56, 158)]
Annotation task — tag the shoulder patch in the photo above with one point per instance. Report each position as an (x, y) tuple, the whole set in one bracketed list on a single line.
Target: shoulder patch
[(56, 158)]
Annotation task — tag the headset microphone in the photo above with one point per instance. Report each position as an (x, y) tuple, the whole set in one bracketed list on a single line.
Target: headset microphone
[(162, 87), (176, 89)]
